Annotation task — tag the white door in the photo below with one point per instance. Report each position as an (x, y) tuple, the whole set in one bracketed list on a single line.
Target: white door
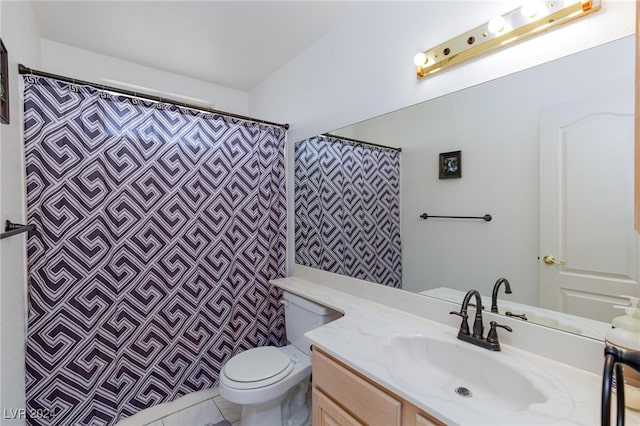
[(586, 206)]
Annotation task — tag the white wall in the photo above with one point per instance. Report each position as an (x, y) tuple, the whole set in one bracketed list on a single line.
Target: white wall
[(20, 36), (364, 68), (85, 65), (495, 124)]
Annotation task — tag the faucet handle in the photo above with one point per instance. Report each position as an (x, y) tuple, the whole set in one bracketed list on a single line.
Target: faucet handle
[(522, 316), (492, 337), (464, 326)]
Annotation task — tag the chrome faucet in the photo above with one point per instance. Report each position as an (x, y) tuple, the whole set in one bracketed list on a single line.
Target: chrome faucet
[(494, 295), (476, 336)]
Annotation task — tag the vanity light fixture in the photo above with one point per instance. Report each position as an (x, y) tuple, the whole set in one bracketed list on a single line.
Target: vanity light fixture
[(519, 24)]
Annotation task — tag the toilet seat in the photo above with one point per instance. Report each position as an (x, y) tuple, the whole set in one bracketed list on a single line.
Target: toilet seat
[(256, 368)]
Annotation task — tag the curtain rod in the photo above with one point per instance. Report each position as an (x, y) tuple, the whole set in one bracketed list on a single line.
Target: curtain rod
[(329, 135), (26, 70)]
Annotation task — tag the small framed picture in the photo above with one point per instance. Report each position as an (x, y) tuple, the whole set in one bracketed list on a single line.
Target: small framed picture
[(4, 85), (451, 165)]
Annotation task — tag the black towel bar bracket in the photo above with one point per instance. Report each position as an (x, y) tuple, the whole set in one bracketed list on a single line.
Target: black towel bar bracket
[(486, 217), (15, 229)]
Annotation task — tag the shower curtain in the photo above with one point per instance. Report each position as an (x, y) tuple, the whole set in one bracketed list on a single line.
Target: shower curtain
[(347, 209), (158, 229)]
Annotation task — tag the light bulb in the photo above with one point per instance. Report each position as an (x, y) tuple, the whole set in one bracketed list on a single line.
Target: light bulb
[(420, 59), (530, 9), (496, 24)]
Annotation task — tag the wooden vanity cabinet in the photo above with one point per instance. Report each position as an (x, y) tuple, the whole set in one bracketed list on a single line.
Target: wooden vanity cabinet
[(343, 397)]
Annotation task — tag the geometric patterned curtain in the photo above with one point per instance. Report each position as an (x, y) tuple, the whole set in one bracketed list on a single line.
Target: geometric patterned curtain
[(347, 209), (157, 230)]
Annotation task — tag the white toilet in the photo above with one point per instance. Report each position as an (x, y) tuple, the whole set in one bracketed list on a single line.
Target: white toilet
[(271, 383)]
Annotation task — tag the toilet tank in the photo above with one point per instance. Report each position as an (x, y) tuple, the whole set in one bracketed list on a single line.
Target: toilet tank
[(302, 315)]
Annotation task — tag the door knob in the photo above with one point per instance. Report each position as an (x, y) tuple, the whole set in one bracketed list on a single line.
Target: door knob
[(550, 260)]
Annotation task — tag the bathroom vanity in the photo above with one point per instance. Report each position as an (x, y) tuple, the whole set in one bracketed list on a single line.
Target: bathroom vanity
[(394, 359), (341, 396)]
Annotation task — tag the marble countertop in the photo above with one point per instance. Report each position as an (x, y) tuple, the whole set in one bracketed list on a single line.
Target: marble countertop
[(357, 339)]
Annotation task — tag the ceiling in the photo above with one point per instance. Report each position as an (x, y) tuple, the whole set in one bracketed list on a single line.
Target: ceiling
[(236, 44)]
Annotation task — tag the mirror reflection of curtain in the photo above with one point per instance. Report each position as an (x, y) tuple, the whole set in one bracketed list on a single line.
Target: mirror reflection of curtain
[(157, 232), (347, 209)]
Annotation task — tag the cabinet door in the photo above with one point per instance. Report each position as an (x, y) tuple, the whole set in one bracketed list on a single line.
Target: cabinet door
[(368, 402), (328, 413), (424, 421), (360, 401), (413, 416)]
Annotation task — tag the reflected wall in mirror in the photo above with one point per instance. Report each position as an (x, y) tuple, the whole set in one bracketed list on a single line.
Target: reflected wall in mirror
[(549, 154)]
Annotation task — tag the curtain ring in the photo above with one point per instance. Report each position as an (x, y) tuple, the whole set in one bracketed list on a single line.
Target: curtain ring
[(30, 77)]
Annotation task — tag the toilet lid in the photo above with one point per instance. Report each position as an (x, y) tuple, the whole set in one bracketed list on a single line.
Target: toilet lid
[(256, 364)]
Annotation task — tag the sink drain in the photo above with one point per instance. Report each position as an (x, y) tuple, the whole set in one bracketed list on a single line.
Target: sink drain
[(464, 392)]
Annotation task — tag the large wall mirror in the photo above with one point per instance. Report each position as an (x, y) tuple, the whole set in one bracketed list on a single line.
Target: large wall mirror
[(548, 153)]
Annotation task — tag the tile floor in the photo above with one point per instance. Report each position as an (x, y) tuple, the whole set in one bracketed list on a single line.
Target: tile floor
[(202, 408)]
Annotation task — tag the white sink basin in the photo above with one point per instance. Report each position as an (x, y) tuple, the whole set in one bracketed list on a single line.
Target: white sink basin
[(465, 374)]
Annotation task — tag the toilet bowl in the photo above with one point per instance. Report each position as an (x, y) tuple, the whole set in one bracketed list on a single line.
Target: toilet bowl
[(271, 383), (272, 375)]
